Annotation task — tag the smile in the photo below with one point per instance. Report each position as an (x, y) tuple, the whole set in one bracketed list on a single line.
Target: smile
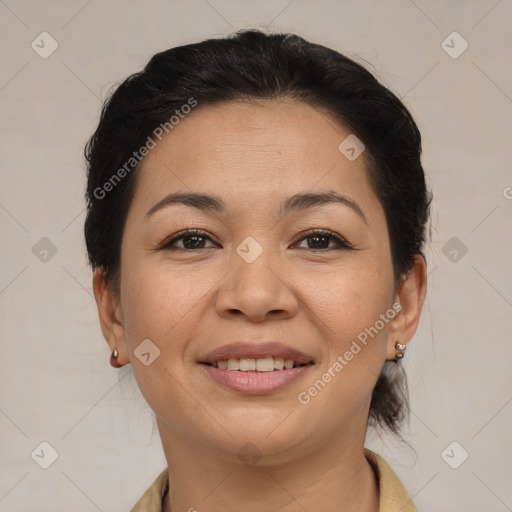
[(255, 368), (265, 364)]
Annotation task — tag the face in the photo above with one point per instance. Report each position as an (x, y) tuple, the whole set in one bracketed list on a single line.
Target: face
[(254, 273)]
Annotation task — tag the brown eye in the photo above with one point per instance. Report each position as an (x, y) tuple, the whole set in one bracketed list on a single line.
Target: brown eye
[(188, 241), (319, 241), (193, 242), (324, 240)]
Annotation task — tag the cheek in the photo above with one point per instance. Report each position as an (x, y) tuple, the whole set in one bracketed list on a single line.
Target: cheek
[(348, 306), (165, 306), (347, 300), (162, 303)]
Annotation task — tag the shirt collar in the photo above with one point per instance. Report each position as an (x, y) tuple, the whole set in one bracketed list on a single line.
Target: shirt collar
[(393, 497)]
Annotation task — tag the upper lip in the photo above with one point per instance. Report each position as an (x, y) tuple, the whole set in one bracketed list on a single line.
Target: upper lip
[(253, 350)]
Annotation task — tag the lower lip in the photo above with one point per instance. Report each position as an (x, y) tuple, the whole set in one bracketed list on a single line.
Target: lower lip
[(254, 382)]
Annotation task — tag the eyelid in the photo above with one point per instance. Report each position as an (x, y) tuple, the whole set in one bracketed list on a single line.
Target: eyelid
[(184, 233), (342, 242)]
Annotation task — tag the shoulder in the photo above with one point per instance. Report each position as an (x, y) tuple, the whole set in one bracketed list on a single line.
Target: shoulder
[(151, 500), (393, 496)]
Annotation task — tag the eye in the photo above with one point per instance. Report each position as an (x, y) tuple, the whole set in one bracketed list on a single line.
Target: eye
[(196, 239), (192, 239), (321, 239)]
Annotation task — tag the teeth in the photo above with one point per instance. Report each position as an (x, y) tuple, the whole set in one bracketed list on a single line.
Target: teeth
[(278, 363), (265, 364), (247, 365), (233, 364)]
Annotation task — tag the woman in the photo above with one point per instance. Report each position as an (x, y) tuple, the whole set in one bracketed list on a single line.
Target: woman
[(256, 218)]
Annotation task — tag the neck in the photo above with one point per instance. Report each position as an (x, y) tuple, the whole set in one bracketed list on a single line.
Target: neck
[(330, 478)]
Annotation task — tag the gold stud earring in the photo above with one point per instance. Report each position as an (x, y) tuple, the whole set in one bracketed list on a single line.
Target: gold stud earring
[(400, 347), (113, 359)]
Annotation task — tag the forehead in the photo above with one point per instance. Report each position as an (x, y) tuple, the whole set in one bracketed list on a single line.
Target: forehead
[(264, 150)]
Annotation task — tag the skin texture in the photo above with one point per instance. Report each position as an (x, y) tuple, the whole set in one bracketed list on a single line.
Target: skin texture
[(254, 156)]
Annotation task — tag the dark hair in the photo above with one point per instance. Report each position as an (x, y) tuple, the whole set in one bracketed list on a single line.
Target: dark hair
[(252, 65)]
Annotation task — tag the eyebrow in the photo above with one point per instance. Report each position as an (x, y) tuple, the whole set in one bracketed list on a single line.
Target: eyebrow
[(297, 202)]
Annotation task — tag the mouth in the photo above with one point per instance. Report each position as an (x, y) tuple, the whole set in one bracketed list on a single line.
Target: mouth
[(264, 364), (255, 369)]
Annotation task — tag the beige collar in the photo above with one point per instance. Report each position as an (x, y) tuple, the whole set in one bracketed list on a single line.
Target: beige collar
[(393, 497)]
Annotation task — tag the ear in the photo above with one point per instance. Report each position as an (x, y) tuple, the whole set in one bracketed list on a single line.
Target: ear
[(110, 317), (411, 296)]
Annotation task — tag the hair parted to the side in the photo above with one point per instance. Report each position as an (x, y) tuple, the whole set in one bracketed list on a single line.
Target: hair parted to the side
[(251, 65)]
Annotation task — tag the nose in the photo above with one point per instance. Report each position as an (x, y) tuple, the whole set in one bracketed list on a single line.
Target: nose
[(256, 291)]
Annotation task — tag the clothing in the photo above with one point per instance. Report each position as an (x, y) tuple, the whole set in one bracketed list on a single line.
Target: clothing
[(393, 497)]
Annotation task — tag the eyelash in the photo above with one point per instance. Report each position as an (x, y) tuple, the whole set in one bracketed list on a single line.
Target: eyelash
[(340, 241)]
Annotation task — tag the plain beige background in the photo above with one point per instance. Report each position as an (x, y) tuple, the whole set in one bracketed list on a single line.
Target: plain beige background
[(56, 385)]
